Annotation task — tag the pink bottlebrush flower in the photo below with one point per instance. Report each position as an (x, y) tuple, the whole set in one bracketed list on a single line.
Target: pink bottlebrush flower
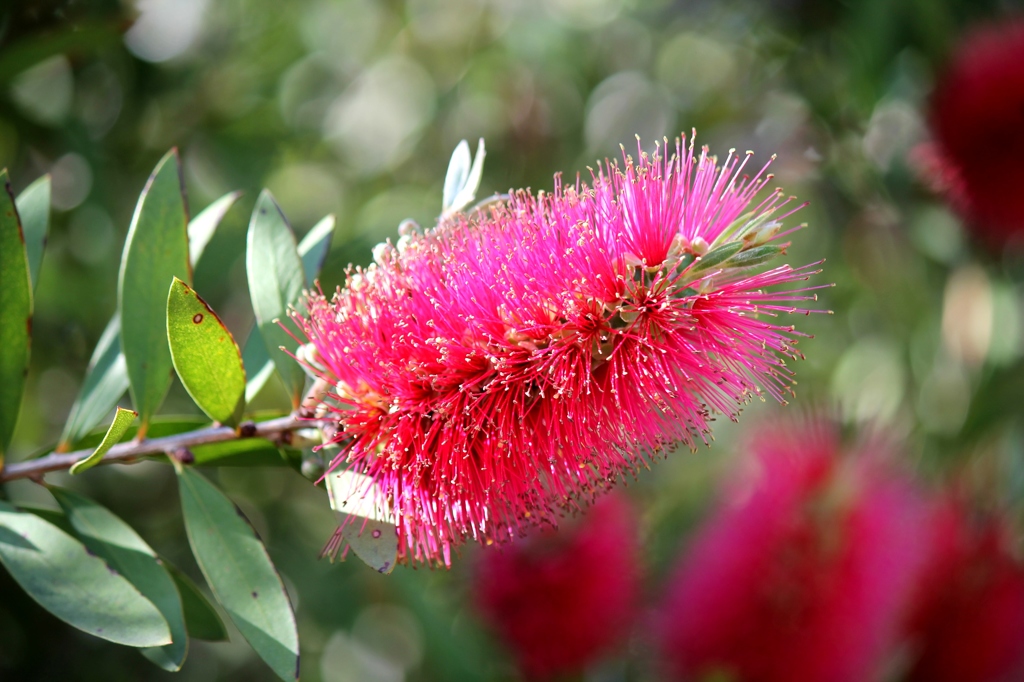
[(502, 365), (978, 127), (561, 600), (803, 573), (967, 624)]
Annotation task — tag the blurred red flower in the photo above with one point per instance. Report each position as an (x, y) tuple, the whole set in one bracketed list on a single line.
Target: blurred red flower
[(562, 599), (967, 624), (804, 573), (977, 118)]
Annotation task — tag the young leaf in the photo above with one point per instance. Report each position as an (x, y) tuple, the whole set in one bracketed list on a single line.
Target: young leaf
[(122, 420), (372, 534), (34, 208), (455, 178), (202, 227), (314, 247), (239, 571), (716, 257), (471, 182), (754, 256), (156, 250), (205, 355), (106, 380), (120, 546), (201, 618), (76, 586), (275, 283), (15, 314)]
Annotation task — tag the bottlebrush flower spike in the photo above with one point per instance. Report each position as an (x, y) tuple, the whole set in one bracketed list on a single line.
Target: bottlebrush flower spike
[(976, 121), (563, 599), (502, 366), (803, 574)]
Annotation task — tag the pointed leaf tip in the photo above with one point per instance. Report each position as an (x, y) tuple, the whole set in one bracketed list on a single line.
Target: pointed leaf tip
[(122, 420)]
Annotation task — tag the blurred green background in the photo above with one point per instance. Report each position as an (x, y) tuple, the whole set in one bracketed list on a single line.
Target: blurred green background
[(353, 107)]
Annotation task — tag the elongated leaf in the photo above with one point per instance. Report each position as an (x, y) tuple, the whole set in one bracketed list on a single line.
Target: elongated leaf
[(716, 257), (202, 227), (368, 525), (239, 571), (201, 618), (205, 355), (122, 420), (754, 256), (15, 314), (314, 247), (120, 546), (156, 251), (54, 516), (76, 586), (255, 355), (34, 208), (106, 380), (275, 283)]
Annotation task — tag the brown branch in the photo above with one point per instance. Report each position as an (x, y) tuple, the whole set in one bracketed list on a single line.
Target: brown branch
[(273, 429)]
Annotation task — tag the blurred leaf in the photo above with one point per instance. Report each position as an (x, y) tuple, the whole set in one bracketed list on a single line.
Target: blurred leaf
[(74, 585), (275, 283), (156, 251), (122, 420), (201, 618), (34, 210), (754, 256), (462, 182), (54, 516), (105, 382), (205, 355), (314, 247), (15, 315), (372, 533), (202, 227), (255, 355), (242, 452), (239, 571), (120, 546)]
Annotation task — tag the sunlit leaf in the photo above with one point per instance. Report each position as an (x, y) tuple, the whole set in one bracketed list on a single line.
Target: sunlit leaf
[(15, 314), (155, 252), (122, 420), (75, 585), (120, 546), (201, 618), (105, 382), (34, 209), (205, 355), (239, 571), (276, 279)]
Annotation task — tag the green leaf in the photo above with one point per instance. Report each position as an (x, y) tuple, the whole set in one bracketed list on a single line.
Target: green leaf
[(239, 571), (201, 618), (120, 546), (76, 586), (205, 355), (255, 355), (754, 256), (54, 516), (202, 227), (370, 532), (241, 452), (122, 420), (15, 315), (105, 382), (716, 256), (275, 283), (34, 208), (156, 251), (314, 247)]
